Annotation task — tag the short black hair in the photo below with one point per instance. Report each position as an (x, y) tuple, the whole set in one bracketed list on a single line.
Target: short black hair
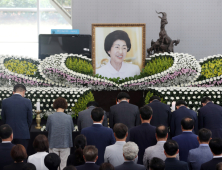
[(171, 147), (161, 131), (187, 123), (70, 167), (204, 135), (157, 164), (123, 95), (97, 114), (29, 166), (206, 99), (154, 98), (181, 102), (52, 161), (120, 130), (90, 153), (146, 112), (106, 166), (19, 88), (216, 146), (5, 131), (116, 35), (219, 166), (92, 103)]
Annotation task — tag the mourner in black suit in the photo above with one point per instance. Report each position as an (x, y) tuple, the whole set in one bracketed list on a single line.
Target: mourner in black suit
[(5, 147), (144, 135), (90, 155), (124, 112), (182, 112), (130, 152), (17, 113), (187, 140), (161, 112), (98, 135), (210, 117), (216, 149), (171, 149), (84, 118)]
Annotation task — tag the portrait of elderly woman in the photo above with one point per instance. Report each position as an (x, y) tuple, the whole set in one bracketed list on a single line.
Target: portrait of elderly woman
[(117, 44)]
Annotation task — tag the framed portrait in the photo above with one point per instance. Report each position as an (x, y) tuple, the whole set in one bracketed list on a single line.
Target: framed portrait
[(118, 50)]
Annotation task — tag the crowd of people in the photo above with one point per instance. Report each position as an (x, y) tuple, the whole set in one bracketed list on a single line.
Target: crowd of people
[(151, 137)]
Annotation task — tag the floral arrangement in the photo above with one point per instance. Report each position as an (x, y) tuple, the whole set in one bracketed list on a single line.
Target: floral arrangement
[(21, 67), (13, 75), (211, 74), (171, 76), (61, 70)]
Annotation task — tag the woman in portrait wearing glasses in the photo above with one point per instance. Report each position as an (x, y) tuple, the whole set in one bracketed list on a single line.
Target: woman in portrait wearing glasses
[(116, 45)]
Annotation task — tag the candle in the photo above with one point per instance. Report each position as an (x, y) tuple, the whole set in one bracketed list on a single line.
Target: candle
[(38, 106), (173, 106)]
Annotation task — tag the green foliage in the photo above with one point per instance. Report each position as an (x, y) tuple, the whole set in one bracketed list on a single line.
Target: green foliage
[(211, 68), (149, 95), (21, 67), (157, 65), (147, 98), (79, 65), (81, 104)]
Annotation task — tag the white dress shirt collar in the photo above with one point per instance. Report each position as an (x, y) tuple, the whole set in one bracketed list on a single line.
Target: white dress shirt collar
[(6, 141), (97, 123), (217, 156), (18, 93), (204, 145)]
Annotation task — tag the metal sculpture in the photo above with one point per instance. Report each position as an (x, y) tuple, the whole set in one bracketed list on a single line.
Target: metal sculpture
[(164, 43)]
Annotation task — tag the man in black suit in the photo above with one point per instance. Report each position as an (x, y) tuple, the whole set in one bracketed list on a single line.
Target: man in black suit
[(5, 147), (84, 118), (17, 113), (171, 149), (187, 140), (161, 112), (182, 112), (216, 149), (130, 152), (124, 112), (210, 117), (98, 135), (144, 135), (90, 155)]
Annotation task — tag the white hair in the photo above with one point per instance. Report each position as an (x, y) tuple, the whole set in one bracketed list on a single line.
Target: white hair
[(130, 150)]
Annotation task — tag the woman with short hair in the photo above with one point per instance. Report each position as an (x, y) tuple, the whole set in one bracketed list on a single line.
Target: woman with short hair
[(116, 46), (18, 154), (60, 126), (41, 145)]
